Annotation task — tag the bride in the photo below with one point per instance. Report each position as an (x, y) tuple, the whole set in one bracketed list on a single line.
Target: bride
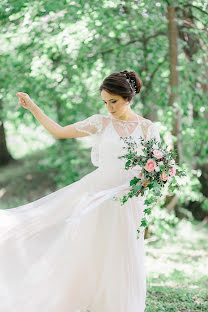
[(76, 249)]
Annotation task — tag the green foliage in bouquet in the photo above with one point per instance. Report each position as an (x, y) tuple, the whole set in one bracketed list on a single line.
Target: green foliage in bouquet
[(157, 172)]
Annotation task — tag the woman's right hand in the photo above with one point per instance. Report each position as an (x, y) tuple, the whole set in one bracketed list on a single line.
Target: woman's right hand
[(25, 100), (146, 182)]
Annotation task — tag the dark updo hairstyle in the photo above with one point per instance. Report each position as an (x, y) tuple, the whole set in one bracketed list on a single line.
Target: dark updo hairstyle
[(117, 83)]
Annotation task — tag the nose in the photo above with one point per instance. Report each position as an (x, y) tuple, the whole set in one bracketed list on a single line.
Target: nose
[(111, 105)]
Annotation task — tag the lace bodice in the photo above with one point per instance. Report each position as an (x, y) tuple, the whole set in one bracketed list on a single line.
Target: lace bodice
[(105, 133)]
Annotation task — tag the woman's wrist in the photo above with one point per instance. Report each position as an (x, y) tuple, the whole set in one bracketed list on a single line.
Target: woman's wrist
[(33, 108)]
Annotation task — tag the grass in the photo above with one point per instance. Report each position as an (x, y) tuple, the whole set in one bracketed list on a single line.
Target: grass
[(22, 181), (177, 271)]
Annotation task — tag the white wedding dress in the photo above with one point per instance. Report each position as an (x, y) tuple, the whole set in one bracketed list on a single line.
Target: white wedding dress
[(76, 249)]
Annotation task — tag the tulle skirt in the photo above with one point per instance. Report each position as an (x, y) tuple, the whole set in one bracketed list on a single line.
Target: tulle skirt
[(74, 250)]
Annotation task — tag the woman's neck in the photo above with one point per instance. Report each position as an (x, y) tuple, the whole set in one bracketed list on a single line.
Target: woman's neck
[(129, 116)]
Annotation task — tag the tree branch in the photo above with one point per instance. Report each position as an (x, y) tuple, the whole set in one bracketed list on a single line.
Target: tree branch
[(195, 7), (159, 33), (148, 85)]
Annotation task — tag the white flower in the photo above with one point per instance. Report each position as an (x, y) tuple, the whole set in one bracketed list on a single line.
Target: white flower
[(138, 167), (139, 151), (157, 169), (172, 162), (160, 163), (155, 146)]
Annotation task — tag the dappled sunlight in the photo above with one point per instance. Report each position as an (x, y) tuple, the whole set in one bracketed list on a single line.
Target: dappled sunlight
[(28, 139), (180, 261), (59, 53), (2, 192)]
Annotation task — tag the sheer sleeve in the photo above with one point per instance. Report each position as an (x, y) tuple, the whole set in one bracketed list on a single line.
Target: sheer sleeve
[(153, 132), (92, 127)]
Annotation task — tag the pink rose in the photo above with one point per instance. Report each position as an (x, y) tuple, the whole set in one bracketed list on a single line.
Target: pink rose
[(157, 154), (172, 171), (164, 176), (150, 165)]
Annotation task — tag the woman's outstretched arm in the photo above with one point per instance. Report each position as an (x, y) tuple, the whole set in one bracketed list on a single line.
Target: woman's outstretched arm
[(51, 126)]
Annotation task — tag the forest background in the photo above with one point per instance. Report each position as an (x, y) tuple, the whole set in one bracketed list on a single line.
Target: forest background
[(59, 52)]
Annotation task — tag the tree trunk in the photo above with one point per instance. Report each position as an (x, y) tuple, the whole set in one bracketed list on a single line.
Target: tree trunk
[(5, 156), (172, 202), (174, 77)]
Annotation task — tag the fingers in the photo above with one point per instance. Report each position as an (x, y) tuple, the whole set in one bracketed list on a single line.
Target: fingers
[(21, 94), (21, 101), (146, 183)]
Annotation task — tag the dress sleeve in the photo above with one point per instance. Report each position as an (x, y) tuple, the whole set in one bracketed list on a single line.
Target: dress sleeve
[(153, 132), (91, 125)]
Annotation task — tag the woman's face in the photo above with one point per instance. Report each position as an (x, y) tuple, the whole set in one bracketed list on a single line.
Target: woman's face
[(115, 104)]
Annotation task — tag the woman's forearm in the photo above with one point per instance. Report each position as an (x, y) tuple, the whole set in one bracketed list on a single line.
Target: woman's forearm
[(50, 125)]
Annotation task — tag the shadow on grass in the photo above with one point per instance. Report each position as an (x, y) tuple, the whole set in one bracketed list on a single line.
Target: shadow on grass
[(23, 181), (174, 299), (177, 278)]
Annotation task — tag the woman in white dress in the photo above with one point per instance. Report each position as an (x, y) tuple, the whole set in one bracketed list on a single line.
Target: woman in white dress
[(76, 249)]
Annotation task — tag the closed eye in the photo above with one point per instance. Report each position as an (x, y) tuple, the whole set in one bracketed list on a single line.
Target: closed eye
[(111, 102)]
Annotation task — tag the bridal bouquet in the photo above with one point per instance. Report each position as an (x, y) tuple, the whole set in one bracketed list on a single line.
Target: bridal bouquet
[(157, 170)]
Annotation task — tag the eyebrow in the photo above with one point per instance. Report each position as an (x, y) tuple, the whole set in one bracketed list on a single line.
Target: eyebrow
[(110, 100)]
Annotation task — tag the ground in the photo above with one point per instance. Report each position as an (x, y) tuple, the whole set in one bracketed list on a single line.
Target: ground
[(177, 271)]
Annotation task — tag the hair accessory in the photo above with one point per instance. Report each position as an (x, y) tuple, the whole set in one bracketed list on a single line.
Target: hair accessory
[(132, 83)]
